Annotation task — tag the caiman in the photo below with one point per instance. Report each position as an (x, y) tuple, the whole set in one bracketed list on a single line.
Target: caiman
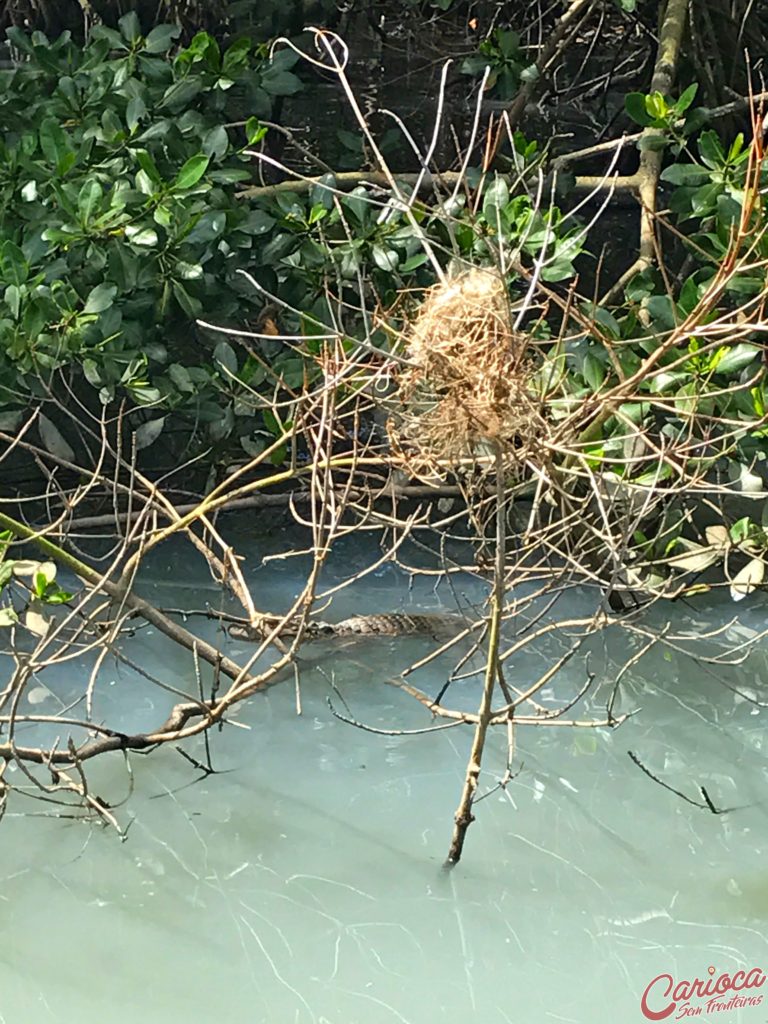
[(388, 624)]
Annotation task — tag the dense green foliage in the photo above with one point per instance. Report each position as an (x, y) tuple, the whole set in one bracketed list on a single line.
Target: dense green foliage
[(121, 225), (119, 218), (709, 389), (501, 53)]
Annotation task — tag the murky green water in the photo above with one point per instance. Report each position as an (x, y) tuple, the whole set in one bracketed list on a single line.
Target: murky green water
[(303, 884)]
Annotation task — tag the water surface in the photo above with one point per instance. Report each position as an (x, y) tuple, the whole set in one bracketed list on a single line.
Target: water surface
[(303, 883)]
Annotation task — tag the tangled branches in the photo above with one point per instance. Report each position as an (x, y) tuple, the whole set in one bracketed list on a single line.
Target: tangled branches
[(496, 468)]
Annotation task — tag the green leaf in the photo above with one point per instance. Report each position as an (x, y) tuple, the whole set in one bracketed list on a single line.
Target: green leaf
[(191, 305), (593, 371), (280, 83), (252, 447), (148, 165), (474, 65), (209, 226), (222, 426), (192, 171), (53, 441), (216, 142), (100, 298), (737, 154), (634, 104), (557, 270), (413, 262), (180, 376), (737, 358), (685, 174), (146, 186), (285, 59), (12, 297), (162, 214), (728, 210), (254, 131), (604, 318), (91, 373), (161, 38), (689, 296), (290, 204), (112, 38), (710, 150), (385, 259), (89, 200), (635, 412), (13, 267), (44, 577), (508, 42), (321, 191), (141, 235), (226, 356), (258, 222), (661, 308), (758, 403), (654, 476), (135, 112), (291, 371), (130, 27), (686, 98), (495, 199), (236, 56), (54, 141), (149, 432), (740, 530), (229, 175), (704, 200), (188, 271), (181, 94), (665, 381), (160, 129), (358, 201), (20, 39), (657, 106), (202, 48), (34, 318), (144, 395)]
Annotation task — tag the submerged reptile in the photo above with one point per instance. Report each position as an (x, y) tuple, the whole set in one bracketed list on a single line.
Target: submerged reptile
[(388, 624)]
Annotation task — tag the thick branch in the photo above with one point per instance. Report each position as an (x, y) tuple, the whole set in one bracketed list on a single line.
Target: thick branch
[(670, 39), (464, 816)]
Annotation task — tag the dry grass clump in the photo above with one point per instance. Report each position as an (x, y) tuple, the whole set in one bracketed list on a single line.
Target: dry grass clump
[(466, 386)]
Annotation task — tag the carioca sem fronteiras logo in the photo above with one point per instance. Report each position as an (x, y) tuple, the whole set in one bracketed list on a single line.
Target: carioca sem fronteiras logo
[(665, 997)]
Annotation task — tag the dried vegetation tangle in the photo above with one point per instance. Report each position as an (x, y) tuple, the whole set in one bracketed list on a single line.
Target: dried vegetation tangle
[(478, 420)]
